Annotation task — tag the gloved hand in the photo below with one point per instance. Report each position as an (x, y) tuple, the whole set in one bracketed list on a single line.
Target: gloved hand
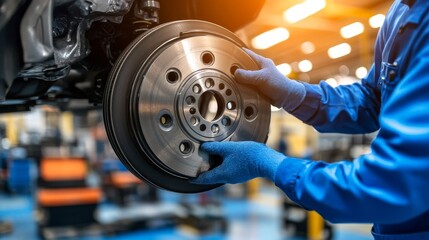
[(242, 161), (283, 92)]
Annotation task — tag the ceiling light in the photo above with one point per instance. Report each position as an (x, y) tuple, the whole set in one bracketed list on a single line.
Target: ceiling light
[(352, 30), (376, 21), (361, 72), (284, 68), (339, 51), (270, 38), (303, 10), (308, 47), (305, 66)]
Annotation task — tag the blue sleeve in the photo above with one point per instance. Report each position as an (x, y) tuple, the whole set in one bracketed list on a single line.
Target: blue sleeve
[(348, 108), (343, 109), (387, 186)]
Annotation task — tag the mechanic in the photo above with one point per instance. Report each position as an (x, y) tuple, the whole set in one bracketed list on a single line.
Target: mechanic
[(389, 186)]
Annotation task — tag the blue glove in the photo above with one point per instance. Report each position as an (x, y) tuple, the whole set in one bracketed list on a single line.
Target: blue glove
[(242, 161), (283, 92)]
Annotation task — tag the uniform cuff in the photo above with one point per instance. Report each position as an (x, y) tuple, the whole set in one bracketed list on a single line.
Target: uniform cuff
[(288, 173), (310, 105)]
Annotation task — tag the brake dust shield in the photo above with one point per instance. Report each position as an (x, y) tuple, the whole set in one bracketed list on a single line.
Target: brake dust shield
[(172, 89)]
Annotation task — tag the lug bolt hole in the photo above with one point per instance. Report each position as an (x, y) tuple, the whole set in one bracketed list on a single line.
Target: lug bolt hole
[(196, 88), (186, 147), (192, 111), (166, 121), (173, 75), (221, 86), (209, 83), (207, 58), (233, 69), (226, 121), (228, 92), (190, 100), (250, 112), (215, 129), (195, 121), (203, 127), (231, 105)]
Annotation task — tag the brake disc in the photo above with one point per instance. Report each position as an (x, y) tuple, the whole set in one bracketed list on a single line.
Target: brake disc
[(172, 89)]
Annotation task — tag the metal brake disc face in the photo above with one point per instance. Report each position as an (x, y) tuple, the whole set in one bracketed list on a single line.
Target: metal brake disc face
[(173, 89)]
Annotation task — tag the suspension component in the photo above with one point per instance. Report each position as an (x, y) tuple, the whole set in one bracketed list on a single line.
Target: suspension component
[(148, 10)]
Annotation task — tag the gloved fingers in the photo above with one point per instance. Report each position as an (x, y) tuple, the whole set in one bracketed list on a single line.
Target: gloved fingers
[(213, 176), (248, 76), (260, 60), (217, 148)]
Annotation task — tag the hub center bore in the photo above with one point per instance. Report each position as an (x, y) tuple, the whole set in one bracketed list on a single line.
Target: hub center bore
[(209, 106)]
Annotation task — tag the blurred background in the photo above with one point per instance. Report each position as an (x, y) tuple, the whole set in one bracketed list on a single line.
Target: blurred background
[(60, 179)]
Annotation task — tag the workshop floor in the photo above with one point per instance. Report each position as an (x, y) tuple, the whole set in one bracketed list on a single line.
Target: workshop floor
[(250, 220)]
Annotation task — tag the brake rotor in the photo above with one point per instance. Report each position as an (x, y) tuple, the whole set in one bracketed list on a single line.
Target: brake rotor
[(172, 89)]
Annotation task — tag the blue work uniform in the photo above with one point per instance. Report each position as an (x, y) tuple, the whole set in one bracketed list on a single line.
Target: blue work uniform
[(389, 186)]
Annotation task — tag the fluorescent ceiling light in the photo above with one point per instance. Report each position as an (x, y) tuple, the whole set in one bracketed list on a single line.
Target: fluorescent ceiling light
[(339, 51), (376, 21), (305, 66), (270, 38), (308, 47), (352, 30), (303, 10), (361, 72), (284, 68)]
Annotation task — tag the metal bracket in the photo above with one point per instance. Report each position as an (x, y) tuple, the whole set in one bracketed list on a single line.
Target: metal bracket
[(36, 32)]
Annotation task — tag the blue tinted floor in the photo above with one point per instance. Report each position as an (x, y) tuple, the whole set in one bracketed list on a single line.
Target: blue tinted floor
[(250, 220)]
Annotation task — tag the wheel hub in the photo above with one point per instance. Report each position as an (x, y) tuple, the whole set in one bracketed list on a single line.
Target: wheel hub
[(173, 89), (209, 106)]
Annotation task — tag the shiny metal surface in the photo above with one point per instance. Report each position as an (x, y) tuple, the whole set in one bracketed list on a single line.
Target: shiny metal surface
[(36, 34), (174, 89), (151, 4), (182, 100), (72, 45)]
